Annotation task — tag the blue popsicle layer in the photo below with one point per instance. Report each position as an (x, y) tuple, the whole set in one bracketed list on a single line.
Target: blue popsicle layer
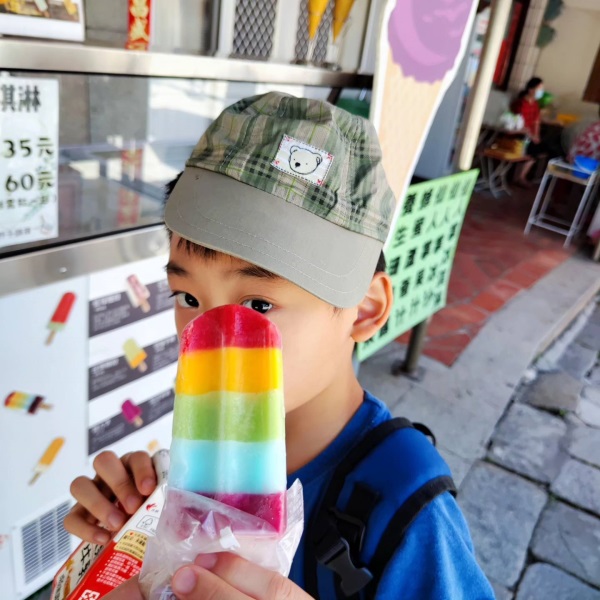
[(228, 467)]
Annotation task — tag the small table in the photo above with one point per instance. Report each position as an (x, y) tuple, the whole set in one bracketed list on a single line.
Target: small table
[(559, 169), (494, 178)]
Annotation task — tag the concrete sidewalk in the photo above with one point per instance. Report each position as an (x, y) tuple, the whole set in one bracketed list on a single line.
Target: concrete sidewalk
[(518, 437)]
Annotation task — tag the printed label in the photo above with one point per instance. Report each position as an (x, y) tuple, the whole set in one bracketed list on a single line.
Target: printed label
[(302, 160)]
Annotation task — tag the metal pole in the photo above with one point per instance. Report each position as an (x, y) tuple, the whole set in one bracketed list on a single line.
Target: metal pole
[(477, 101), (410, 365)]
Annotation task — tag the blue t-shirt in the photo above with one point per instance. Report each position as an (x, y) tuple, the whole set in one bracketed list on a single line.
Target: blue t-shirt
[(435, 559)]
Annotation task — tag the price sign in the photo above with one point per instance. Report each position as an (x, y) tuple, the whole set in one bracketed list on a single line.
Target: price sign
[(420, 253), (28, 160)]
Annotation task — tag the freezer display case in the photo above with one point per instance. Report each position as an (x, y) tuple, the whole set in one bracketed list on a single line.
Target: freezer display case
[(89, 348)]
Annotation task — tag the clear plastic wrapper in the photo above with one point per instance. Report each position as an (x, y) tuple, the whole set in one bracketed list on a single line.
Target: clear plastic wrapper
[(192, 524)]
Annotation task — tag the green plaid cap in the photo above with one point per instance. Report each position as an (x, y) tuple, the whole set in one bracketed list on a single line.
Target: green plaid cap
[(308, 153), (243, 141)]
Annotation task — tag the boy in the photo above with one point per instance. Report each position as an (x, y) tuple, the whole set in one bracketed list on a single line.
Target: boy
[(284, 207)]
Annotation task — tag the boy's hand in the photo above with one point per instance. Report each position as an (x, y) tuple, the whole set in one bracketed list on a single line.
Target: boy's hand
[(229, 576), (130, 480), (223, 576)]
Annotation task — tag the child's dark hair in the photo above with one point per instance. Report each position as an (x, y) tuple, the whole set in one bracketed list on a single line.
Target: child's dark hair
[(193, 248)]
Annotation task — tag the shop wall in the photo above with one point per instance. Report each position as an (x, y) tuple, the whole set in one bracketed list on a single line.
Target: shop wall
[(565, 64)]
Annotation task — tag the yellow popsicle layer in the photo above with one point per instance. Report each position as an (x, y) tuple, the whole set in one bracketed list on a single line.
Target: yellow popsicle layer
[(247, 370)]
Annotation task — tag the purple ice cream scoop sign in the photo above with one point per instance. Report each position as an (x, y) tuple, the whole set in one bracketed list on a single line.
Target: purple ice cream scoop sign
[(425, 36)]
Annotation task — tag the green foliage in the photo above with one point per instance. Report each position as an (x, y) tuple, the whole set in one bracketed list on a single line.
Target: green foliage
[(545, 36), (553, 10)]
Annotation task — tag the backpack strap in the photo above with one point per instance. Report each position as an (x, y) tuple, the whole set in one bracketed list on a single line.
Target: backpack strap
[(335, 538), (401, 521), (324, 540)]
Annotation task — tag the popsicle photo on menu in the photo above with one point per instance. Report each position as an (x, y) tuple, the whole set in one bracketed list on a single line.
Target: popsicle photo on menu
[(47, 458), (135, 356), (30, 403), (138, 293), (61, 315), (132, 413)]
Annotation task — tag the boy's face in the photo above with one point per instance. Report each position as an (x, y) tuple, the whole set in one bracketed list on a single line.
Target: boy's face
[(317, 342)]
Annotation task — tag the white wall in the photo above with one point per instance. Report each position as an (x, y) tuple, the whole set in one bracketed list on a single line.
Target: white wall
[(565, 64)]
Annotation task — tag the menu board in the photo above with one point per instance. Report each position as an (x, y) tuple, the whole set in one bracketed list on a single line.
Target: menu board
[(88, 364), (133, 349), (28, 160), (420, 252)]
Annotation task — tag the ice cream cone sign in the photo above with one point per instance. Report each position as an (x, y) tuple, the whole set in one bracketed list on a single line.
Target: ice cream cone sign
[(421, 45)]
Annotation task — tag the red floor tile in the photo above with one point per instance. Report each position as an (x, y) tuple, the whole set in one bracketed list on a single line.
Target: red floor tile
[(489, 302), (523, 276), (467, 313), (445, 356), (404, 338)]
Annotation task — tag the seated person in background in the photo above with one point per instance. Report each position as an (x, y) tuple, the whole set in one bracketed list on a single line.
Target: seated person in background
[(526, 105), (587, 143)]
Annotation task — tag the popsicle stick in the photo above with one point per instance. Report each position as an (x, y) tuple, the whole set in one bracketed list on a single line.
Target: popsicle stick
[(46, 406), (50, 337), (145, 306), (138, 422), (142, 367)]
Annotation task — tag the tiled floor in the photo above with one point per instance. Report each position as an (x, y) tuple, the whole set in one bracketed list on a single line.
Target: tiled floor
[(494, 262)]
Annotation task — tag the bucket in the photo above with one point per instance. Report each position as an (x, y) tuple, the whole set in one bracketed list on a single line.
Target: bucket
[(585, 166)]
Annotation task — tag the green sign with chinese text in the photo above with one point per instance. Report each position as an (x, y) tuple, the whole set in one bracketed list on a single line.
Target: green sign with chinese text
[(420, 253)]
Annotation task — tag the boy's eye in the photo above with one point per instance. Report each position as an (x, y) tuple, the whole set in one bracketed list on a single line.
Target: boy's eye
[(185, 300), (261, 306)]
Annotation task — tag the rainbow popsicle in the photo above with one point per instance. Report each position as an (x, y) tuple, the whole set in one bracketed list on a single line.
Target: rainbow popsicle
[(228, 421), (27, 402), (47, 458), (132, 413), (61, 315), (135, 355), (138, 293)]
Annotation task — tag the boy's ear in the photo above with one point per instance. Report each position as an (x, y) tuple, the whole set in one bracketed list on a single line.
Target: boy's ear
[(374, 309)]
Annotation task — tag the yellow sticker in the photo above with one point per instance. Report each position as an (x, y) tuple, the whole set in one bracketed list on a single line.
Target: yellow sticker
[(133, 543)]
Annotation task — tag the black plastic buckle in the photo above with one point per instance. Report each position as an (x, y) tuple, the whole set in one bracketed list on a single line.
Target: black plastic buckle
[(352, 528), (336, 556)]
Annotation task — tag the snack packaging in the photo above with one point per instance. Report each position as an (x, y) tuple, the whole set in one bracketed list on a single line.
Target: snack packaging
[(92, 571)]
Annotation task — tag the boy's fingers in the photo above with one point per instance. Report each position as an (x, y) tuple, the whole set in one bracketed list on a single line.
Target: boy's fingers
[(79, 522), (140, 466), (130, 590), (194, 583), (113, 472), (92, 500), (251, 580)]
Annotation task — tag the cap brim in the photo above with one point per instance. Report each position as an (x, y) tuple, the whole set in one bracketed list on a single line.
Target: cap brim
[(221, 213)]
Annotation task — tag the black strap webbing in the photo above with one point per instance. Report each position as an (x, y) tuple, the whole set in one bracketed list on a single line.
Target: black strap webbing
[(320, 530), (400, 523)]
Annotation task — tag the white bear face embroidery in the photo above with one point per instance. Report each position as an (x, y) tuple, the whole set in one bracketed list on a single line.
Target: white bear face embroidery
[(304, 161)]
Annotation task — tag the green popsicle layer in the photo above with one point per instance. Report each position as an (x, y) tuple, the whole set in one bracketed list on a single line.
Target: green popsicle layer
[(230, 416)]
